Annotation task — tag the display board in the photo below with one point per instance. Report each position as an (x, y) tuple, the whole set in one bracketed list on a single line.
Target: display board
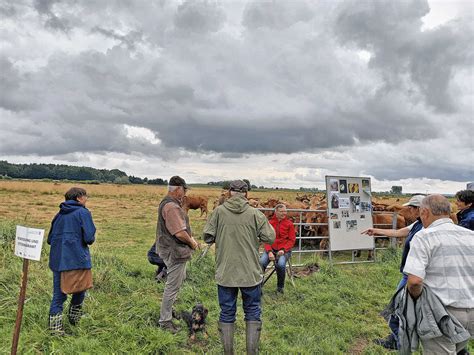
[(349, 212)]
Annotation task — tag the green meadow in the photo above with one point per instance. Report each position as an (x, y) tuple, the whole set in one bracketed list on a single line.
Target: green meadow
[(332, 311)]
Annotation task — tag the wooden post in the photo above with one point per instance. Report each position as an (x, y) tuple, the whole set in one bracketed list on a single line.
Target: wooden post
[(21, 302)]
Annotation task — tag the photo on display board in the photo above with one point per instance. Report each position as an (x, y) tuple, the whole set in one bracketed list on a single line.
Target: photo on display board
[(365, 206), (344, 202), (334, 216), (351, 225), (345, 214), (362, 216), (353, 188), (336, 224), (334, 201), (333, 185), (343, 186), (355, 203), (365, 185)]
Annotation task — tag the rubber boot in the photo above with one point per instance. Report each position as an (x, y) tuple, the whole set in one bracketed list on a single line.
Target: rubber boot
[(56, 324), (75, 313), (226, 331), (252, 332)]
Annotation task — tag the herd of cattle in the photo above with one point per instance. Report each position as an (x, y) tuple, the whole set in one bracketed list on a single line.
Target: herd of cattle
[(314, 218)]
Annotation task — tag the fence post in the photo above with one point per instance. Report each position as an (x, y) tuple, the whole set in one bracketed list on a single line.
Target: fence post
[(393, 241)]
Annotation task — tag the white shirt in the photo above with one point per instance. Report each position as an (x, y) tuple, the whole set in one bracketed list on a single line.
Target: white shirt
[(443, 256)]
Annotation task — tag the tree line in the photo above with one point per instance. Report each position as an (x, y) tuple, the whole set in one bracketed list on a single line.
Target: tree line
[(68, 172)]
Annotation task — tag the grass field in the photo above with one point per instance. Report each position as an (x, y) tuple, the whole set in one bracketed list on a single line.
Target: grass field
[(333, 311)]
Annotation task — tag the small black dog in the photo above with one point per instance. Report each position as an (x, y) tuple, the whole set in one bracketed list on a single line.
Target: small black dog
[(196, 320)]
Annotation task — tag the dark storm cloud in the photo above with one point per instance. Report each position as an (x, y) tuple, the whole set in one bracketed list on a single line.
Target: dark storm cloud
[(199, 16), (130, 39), (391, 31), (45, 7), (11, 92), (7, 10), (275, 15), (279, 77)]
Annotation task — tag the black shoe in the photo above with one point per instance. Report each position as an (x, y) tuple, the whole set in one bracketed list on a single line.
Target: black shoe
[(169, 326), (388, 343), (280, 290)]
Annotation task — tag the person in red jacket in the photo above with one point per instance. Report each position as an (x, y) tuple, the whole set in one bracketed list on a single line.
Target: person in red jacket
[(280, 250)]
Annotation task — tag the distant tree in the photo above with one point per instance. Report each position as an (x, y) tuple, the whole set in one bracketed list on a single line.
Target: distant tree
[(397, 190), (59, 172), (157, 182), (226, 185), (248, 183), (122, 180), (135, 180)]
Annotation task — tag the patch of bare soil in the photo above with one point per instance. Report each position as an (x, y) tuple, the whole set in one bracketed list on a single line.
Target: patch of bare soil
[(358, 347), (306, 271)]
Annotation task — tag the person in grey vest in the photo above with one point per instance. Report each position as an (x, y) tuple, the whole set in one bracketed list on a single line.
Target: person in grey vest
[(238, 230), (175, 245)]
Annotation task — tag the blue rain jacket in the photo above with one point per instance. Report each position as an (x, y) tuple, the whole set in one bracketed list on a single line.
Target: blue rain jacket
[(72, 230)]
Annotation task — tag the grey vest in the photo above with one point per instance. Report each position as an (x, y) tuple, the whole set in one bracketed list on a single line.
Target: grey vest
[(166, 243)]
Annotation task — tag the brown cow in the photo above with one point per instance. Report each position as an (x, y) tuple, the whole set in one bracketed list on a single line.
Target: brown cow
[(194, 203), (315, 230)]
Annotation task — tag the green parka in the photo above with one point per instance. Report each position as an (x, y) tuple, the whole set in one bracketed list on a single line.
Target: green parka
[(238, 229)]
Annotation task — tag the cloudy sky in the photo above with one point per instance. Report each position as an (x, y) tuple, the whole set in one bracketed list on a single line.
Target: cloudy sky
[(279, 92)]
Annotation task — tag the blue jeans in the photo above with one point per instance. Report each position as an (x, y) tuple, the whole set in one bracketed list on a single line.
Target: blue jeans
[(228, 302), (59, 297), (394, 322), (280, 266)]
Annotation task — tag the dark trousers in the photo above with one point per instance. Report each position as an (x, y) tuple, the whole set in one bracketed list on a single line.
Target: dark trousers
[(280, 265), (251, 297), (59, 297)]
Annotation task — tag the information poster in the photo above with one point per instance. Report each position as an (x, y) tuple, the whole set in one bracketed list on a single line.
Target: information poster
[(349, 211)]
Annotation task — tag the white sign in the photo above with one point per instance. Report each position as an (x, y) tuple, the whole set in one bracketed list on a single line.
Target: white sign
[(28, 242)]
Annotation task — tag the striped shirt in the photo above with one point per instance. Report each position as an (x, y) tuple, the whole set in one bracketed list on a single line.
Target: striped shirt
[(443, 256)]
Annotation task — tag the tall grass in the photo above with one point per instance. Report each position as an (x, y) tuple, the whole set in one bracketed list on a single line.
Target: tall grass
[(333, 311)]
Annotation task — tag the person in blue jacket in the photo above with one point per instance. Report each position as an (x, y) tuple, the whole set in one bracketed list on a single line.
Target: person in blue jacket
[(465, 204), (72, 231)]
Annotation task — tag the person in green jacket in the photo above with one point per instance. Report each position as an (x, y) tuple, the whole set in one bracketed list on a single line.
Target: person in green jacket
[(238, 230)]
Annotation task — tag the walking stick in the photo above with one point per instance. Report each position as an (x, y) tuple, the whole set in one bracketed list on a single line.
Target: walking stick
[(204, 252)]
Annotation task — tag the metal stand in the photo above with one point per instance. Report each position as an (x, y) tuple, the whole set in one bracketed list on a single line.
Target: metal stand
[(289, 272)]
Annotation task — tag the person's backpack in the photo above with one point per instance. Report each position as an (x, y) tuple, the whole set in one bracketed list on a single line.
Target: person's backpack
[(153, 257)]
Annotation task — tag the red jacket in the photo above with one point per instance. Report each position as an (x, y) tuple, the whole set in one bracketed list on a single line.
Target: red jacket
[(285, 235)]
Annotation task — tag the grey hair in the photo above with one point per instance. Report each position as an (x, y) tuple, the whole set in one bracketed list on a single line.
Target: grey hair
[(233, 193), (279, 206), (437, 204), (172, 188)]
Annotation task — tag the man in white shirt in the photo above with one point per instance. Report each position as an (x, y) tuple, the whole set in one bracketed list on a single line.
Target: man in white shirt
[(442, 257)]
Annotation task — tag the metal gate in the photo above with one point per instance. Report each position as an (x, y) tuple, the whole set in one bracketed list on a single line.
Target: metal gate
[(298, 250)]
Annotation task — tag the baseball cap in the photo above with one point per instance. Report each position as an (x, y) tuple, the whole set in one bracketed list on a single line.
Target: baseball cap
[(415, 201), (178, 181), (238, 186)]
